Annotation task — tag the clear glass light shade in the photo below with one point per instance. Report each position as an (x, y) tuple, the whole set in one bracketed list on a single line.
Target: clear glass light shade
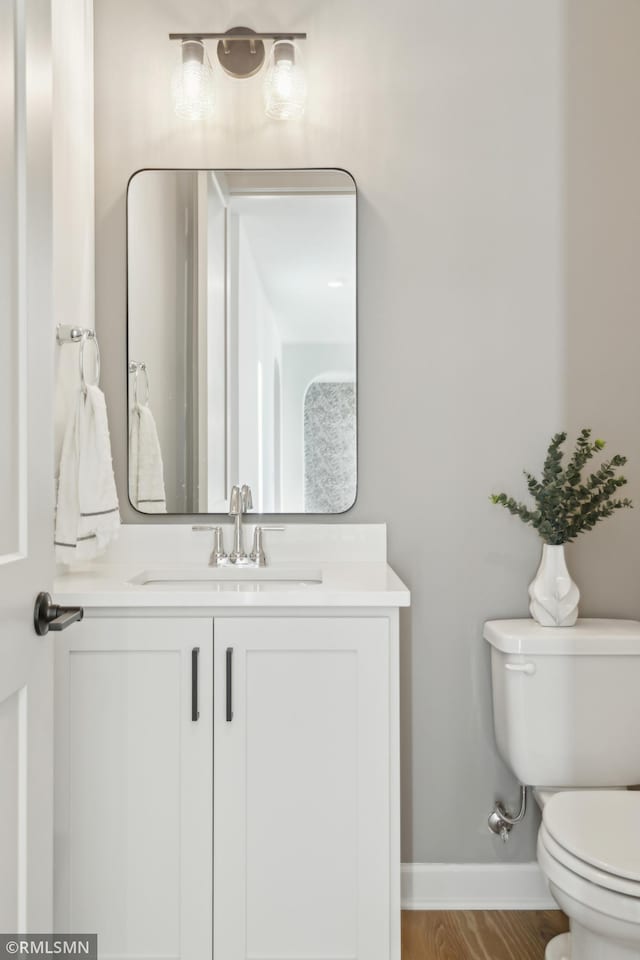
[(285, 85), (193, 85)]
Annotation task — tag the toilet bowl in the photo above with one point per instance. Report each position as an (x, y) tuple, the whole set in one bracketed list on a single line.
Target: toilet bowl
[(565, 714), (589, 851)]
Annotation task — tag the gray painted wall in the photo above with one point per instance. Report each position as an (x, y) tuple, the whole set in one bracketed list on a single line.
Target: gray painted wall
[(498, 215), (602, 275)]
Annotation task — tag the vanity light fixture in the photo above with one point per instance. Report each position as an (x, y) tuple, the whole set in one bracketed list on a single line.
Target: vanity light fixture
[(285, 85), (193, 84), (241, 54)]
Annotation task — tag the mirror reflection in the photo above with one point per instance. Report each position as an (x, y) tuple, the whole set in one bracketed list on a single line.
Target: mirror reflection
[(242, 339)]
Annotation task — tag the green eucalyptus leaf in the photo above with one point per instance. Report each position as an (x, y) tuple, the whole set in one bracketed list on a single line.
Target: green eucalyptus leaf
[(566, 503)]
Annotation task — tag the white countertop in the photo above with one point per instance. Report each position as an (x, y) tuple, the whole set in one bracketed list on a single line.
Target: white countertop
[(351, 584), (350, 559)]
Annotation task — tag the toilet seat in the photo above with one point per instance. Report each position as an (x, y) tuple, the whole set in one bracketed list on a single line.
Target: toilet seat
[(596, 834), (589, 847), (601, 878), (599, 827), (589, 893)]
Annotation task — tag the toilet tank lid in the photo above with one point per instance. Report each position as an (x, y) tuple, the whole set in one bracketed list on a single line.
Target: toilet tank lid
[(587, 637)]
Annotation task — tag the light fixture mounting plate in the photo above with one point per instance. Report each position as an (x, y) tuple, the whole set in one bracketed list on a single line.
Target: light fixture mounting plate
[(238, 57)]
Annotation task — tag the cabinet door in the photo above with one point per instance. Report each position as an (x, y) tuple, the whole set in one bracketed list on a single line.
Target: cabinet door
[(134, 786), (301, 789)]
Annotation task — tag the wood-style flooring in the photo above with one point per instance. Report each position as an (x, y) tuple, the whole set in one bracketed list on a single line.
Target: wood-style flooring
[(479, 934)]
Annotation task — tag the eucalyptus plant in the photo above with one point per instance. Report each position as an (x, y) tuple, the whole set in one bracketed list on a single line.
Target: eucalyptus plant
[(567, 505)]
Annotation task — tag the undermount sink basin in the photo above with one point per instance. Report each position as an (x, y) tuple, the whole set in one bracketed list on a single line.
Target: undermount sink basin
[(227, 578)]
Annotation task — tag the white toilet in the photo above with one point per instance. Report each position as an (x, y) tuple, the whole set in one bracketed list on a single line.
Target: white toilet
[(567, 722)]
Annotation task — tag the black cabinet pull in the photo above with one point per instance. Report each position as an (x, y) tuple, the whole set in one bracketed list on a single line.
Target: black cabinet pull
[(229, 684), (195, 713)]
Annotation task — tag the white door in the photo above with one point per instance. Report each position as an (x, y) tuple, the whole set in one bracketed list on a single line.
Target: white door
[(134, 719), (26, 466), (301, 788)]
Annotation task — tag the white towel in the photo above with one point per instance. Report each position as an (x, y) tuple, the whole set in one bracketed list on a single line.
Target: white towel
[(87, 515), (146, 472)]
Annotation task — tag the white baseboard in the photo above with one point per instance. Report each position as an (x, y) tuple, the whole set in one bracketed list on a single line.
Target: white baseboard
[(474, 886)]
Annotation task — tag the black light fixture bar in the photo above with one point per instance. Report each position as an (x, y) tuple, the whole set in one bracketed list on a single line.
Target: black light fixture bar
[(237, 36)]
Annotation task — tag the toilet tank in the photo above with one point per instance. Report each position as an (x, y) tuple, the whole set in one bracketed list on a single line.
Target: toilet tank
[(566, 701)]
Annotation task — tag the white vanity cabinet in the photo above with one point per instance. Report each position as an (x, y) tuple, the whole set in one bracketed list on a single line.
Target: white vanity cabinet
[(133, 786), (266, 828), (302, 819)]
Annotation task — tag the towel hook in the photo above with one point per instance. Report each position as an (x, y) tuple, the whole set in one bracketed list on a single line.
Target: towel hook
[(89, 335), (135, 366)]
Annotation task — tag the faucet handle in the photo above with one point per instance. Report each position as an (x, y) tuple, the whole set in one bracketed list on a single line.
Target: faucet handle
[(257, 552), (246, 498), (234, 501), (218, 555)]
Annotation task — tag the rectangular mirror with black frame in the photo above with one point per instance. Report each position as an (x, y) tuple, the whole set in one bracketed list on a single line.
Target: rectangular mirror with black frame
[(241, 288)]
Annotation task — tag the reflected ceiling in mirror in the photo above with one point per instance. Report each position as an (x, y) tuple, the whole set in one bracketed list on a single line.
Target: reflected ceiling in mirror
[(242, 339)]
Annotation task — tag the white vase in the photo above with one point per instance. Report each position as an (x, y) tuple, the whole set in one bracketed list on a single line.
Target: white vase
[(554, 595)]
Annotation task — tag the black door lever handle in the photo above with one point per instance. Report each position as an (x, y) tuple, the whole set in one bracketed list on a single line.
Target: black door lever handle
[(49, 616)]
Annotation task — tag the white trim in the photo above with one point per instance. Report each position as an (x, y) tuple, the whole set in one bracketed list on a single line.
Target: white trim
[(474, 886)]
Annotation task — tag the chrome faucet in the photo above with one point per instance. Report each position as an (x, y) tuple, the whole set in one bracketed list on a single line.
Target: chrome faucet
[(240, 502)]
